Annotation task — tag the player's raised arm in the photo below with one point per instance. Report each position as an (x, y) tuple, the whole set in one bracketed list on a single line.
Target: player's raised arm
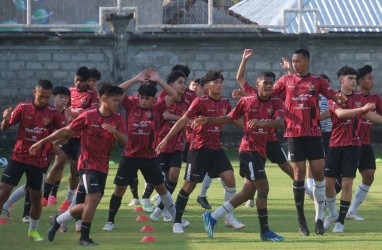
[(6, 118), (64, 132), (120, 137), (178, 126), (241, 71), (141, 77)]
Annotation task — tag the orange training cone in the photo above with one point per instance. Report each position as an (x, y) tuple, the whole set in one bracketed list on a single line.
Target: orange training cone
[(148, 239), (142, 218), (3, 220), (145, 229), (138, 209)]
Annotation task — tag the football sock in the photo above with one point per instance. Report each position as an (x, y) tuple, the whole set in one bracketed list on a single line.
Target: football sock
[(115, 203), (224, 209), (263, 219), (180, 205), (299, 192), (85, 230), (344, 207), (170, 187), (168, 202), (33, 224), (134, 188), (55, 188), (27, 204), (331, 203), (359, 197), (15, 196), (319, 199), (47, 189), (205, 185), (149, 189)]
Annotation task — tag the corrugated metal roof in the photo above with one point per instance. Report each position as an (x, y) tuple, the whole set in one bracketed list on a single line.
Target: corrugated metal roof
[(330, 13)]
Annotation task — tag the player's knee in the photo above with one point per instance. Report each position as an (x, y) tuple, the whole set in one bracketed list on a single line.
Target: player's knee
[(120, 190)]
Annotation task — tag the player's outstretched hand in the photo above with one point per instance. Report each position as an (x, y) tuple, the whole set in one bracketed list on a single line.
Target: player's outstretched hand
[(238, 93), (142, 76), (34, 148), (152, 75), (161, 145), (341, 97), (201, 120), (253, 123), (109, 128), (368, 107), (285, 64), (247, 53), (7, 113)]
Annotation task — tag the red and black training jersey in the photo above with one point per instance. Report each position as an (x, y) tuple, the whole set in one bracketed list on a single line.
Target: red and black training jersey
[(208, 135), (366, 125), (96, 142), (272, 132), (301, 96), (252, 107), (79, 101), (176, 143), (34, 125), (142, 128), (347, 131)]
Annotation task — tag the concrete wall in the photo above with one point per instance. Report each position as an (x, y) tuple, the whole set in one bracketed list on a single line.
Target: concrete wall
[(25, 58)]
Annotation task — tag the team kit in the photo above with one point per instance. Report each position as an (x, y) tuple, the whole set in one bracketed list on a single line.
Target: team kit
[(328, 134)]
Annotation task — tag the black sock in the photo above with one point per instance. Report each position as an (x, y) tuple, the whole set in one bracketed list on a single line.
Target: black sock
[(263, 219), (180, 205), (134, 189), (299, 195), (47, 189), (85, 230), (344, 207), (148, 191), (170, 187), (115, 203), (55, 188), (27, 205)]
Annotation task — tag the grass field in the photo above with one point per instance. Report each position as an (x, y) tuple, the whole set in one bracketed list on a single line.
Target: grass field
[(282, 219)]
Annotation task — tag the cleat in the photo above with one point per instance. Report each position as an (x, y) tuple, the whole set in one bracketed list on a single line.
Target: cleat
[(329, 220), (156, 214), (166, 215), (4, 214), (109, 226), (34, 235), (303, 229), (78, 226), (133, 202), (44, 202), (65, 205), (250, 203), (185, 223), (26, 219), (338, 228), (155, 197), (145, 203), (319, 227), (87, 242), (177, 228), (209, 224), (233, 222), (354, 216), (64, 228), (51, 200), (271, 236), (53, 228), (203, 202)]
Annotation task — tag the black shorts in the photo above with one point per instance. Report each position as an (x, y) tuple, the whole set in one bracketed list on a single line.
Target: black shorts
[(252, 165), (342, 161), (367, 160), (306, 147), (169, 160), (72, 148), (128, 171), (325, 141), (15, 170), (93, 181), (275, 152), (185, 152), (204, 161)]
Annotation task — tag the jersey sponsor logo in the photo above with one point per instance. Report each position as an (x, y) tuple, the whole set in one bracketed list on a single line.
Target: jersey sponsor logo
[(28, 117), (35, 130), (140, 132), (214, 130), (46, 121), (142, 124), (301, 106), (302, 97), (95, 125)]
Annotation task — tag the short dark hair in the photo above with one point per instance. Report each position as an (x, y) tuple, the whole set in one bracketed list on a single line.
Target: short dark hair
[(95, 74), (202, 81), (147, 89), (61, 90), (361, 72), (213, 74), (83, 73), (45, 84), (266, 74), (106, 88), (325, 77), (197, 80), (346, 70), (303, 52), (182, 67), (175, 74)]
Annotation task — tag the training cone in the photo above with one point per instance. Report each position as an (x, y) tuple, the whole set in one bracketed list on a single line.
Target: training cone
[(3, 220), (145, 229), (148, 239), (138, 209), (142, 218)]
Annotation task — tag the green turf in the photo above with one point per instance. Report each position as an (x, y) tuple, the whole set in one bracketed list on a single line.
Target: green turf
[(282, 219)]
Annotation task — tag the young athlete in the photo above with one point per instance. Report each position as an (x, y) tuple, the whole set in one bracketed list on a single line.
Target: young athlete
[(36, 119), (142, 118), (100, 128), (345, 146), (95, 76), (260, 112), (82, 97), (206, 151), (301, 94)]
